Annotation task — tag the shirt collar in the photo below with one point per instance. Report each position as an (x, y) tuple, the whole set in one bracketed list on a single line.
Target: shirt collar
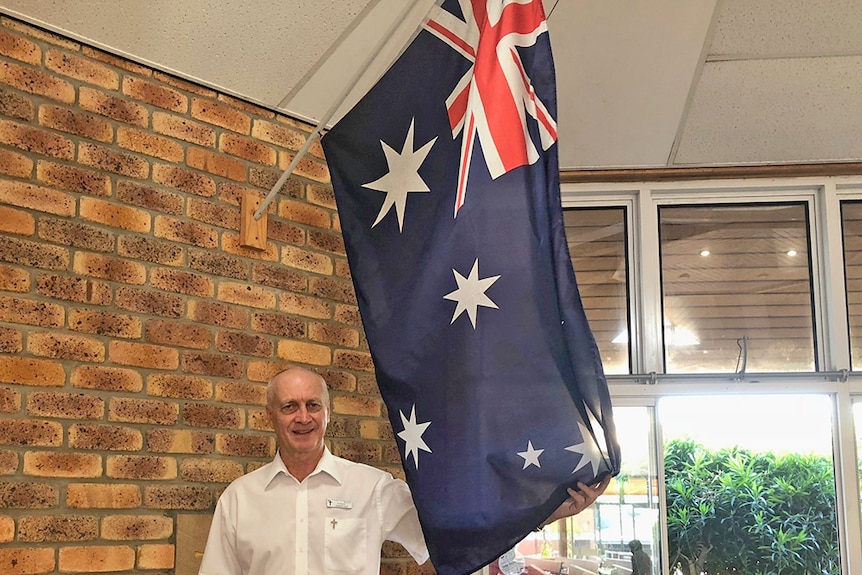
[(328, 464)]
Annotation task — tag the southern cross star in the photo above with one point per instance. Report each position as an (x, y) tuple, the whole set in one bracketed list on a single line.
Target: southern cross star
[(402, 178), (588, 450), (412, 436), (471, 293), (531, 456)]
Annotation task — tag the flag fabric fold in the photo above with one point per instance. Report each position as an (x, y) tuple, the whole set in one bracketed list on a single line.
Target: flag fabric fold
[(447, 185)]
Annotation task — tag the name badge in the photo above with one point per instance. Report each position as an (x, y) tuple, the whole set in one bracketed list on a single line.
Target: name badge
[(339, 504)]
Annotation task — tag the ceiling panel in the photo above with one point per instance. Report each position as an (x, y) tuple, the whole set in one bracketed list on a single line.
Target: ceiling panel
[(772, 111)]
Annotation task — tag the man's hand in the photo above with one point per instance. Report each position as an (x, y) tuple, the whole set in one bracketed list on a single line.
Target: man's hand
[(579, 500)]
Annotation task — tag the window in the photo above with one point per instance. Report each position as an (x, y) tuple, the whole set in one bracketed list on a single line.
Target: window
[(736, 286), (851, 226), (597, 245)]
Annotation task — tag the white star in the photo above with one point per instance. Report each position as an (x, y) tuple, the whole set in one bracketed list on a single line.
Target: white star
[(589, 452), (403, 176), (412, 436), (531, 456), (471, 294)]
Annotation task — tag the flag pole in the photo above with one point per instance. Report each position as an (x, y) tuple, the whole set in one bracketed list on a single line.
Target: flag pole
[(333, 108)]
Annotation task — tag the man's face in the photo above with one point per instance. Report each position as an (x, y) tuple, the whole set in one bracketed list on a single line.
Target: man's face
[(299, 412)]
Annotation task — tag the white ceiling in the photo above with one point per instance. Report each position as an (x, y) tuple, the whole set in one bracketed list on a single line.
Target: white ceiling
[(642, 83)]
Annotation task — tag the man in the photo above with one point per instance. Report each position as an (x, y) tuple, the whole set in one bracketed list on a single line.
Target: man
[(309, 512), (641, 562)]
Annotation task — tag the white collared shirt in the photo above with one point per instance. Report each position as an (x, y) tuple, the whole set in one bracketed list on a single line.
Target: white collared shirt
[(334, 521)]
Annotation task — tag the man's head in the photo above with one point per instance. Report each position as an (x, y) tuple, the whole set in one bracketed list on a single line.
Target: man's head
[(297, 402)]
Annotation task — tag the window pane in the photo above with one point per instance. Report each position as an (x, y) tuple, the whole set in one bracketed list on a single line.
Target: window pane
[(749, 482), (857, 424), (597, 540), (851, 224), (736, 286), (597, 245)]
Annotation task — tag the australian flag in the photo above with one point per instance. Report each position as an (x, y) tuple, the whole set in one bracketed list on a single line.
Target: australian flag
[(447, 184)]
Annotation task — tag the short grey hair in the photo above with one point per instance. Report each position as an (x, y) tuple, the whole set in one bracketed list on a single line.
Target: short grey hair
[(270, 385)]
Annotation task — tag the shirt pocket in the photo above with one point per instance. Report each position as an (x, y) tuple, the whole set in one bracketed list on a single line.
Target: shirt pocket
[(344, 544)]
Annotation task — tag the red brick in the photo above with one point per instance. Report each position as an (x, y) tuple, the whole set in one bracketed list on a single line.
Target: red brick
[(36, 198), (279, 324), (149, 144), (116, 216), (26, 560), (150, 250), (213, 213), (136, 527), (304, 305), (181, 282), (155, 303), (20, 48), (7, 529), (31, 312), (209, 470), (142, 411), (156, 556), (305, 214), (178, 497), (141, 467), (82, 69), (248, 149), (332, 288), (179, 386), (367, 385), (27, 495), (104, 437), (306, 168), (307, 260), (262, 371), (97, 559), (32, 254), (143, 355), (326, 241), (342, 269), (40, 34), (377, 430), (75, 123), (73, 233), (266, 178), (16, 105), (40, 528), (184, 180), (102, 496), (278, 277), (155, 94), (11, 340), (53, 464), (180, 441), (184, 129), (183, 85), (14, 279), (230, 243), (212, 364), (359, 451), (213, 313), (28, 371), (243, 105), (30, 432), (105, 323), (36, 82), (211, 416), (243, 344), (36, 140), (116, 61), (216, 164), (14, 164), (10, 400), (74, 289), (278, 135), (220, 115), (321, 195), (16, 222), (112, 161), (185, 232), (258, 420), (73, 178), (108, 268), (65, 405), (245, 294), (304, 352), (178, 334), (245, 445), (354, 360), (106, 378), (241, 392), (218, 264), (333, 334), (357, 405), (113, 107), (150, 198)]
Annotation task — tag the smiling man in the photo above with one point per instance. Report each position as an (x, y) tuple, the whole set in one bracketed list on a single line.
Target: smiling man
[(310, 512)]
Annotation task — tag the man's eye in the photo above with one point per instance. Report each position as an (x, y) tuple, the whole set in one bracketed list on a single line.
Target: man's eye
[(289, 408), (314, 407)]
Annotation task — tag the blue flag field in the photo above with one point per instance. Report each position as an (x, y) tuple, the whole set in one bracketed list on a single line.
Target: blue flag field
[(447, 184)]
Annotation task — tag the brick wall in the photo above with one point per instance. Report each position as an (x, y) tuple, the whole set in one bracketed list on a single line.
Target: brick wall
[(136, 333)]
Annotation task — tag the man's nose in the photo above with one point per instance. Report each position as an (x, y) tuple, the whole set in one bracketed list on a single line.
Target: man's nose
[(303, 415)]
